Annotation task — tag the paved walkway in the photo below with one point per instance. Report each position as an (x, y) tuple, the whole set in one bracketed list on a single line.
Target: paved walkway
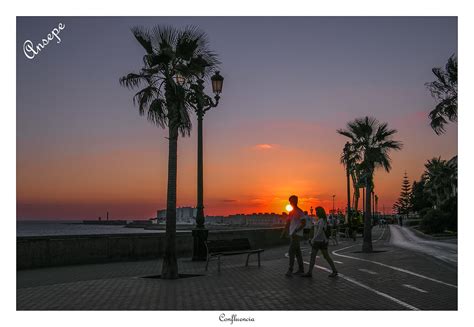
[(393, 279)]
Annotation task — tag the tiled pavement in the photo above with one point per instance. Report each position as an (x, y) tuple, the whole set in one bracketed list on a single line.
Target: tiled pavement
[(414, 281)]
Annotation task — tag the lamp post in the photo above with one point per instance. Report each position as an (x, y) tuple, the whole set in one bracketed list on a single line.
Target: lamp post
[(201, 104)]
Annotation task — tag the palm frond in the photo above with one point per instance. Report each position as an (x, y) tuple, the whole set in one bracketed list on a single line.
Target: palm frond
[(168, 52), (143, 37), (372, 142), (144, 97), (351, 133), (445, 90), (438, 122), (157, 113), (133, 80)]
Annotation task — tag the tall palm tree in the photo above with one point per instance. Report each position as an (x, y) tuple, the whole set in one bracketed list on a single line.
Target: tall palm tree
[(349, 158), (445, 90), (373, 141), (171, 55)]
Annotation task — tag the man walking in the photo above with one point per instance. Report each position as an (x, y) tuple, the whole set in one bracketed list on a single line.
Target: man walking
[(297, 221)]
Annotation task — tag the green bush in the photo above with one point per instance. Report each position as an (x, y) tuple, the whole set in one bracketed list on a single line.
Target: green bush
[(437, 221), (411, 222), (451, 207)]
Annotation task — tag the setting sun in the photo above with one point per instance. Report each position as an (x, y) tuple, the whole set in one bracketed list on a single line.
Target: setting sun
[(289, 207)]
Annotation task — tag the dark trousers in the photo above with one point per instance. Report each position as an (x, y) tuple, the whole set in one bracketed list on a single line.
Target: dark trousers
[(295, 250), (324, 250)]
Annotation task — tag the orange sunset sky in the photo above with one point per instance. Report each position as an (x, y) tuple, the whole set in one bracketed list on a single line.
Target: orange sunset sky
[(82, 148)]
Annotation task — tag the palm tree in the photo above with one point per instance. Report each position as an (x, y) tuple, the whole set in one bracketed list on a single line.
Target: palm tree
[(445, 90), (171, 55), (373, 141), (440, 180), (349, 158)]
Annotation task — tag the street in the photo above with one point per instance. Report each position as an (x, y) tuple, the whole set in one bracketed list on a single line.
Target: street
[(442, 250), (418, 275)]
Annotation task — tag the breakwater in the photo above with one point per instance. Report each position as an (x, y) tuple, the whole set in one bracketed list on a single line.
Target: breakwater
[(48, 251)]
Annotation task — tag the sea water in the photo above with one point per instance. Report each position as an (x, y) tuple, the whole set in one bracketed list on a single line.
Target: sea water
[(56, 228)]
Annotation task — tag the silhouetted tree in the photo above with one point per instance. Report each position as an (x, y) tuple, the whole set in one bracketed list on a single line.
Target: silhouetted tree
[(349, 159), (440, 180), (419, 200), (440, 189), (445, 90), (171, 55), (403, 204), (373, 141)]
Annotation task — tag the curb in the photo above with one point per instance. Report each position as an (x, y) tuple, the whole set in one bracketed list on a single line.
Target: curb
[(429, 237)]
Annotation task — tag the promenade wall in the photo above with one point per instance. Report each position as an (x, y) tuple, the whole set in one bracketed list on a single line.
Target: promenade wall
[(48, 251)]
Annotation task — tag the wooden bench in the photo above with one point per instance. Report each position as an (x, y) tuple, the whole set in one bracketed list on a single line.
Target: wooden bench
[(219, 248)]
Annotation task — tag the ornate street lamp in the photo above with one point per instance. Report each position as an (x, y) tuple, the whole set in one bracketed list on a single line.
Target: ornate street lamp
[(180, 79), (217, 81), (201, 104)]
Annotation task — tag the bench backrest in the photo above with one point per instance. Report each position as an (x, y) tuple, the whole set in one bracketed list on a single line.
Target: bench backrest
[(237, 244)]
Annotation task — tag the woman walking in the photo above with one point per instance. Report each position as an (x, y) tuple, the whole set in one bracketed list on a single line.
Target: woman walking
[(320, 241)]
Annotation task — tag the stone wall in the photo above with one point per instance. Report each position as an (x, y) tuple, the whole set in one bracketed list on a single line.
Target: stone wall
[(47, 251)]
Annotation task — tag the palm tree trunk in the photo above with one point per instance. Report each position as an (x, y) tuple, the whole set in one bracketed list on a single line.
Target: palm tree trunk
[(367, 244), (356, 195), (363, 201), (348, 196), (169, 270), (373, 203), (356, 199)]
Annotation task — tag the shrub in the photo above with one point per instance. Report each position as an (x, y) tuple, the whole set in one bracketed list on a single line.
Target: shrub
[(436, 221), (411, 222)]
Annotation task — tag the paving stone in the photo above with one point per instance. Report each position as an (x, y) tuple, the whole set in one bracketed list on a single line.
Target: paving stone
[(120, 286)]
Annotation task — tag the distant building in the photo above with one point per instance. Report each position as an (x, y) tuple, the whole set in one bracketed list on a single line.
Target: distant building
[(260, 219), (184, 215), (187, 215)]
